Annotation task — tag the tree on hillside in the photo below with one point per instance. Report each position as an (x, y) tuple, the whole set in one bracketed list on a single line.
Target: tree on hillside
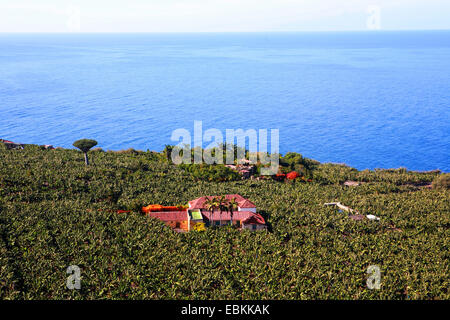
[(168, 151), (211, 205), (222, 206), (85, 145), (231, 207)]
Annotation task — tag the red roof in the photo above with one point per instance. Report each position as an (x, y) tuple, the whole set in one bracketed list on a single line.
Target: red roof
[(199, 203), (169, 215), (254, 219), (246, 217), (243, 216)]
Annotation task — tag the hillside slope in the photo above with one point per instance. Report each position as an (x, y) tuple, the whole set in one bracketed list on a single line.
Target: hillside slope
[(55, 212)]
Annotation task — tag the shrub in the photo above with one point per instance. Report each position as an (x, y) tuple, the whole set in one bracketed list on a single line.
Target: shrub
[(442, 181)]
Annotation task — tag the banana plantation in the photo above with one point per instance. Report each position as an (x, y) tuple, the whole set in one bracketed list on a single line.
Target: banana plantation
[(56, 212)]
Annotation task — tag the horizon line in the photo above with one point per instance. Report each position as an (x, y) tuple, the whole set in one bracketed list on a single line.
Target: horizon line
[(212, 32)]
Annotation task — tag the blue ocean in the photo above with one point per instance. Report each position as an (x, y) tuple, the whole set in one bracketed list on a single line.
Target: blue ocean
[(367, 99)]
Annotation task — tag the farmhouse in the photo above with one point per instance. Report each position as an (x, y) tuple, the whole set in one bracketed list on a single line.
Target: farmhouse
[(245, 217), (182, 220)]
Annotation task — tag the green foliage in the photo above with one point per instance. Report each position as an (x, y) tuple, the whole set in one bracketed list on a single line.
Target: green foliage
[(167, 152), (442, 182), (290, 162), (296, 162), (210, 172), (85, 144), (55, 213), (334, 173), (329, 173)]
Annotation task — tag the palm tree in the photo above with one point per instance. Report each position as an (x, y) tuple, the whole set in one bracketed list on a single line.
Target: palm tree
[(211, 205), (222, 205), (232, 205), (168, 151)]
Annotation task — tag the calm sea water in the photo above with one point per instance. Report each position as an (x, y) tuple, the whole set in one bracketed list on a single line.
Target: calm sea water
[(371, 100)]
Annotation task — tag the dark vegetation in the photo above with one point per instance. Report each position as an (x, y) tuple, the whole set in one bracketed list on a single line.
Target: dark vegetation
[(288, 163), (56, 212), (210, 172)]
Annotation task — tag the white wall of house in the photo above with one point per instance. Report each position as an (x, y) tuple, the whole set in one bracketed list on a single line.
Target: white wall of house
[(247, 209)]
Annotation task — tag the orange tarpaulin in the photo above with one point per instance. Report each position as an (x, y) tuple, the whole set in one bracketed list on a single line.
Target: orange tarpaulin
[(292, 175), (160, 208)]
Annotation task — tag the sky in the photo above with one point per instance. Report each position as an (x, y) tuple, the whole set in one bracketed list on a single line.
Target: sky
[(221, 15)]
